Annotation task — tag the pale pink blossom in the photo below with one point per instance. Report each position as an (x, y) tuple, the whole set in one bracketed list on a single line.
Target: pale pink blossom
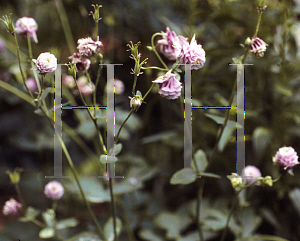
[(286, 158), (169, 86), (54, 190), (11, 207), (171, 44), (81, 62), (45, 63), (27, 25), (88, 47), (192, 53), (250, 174)]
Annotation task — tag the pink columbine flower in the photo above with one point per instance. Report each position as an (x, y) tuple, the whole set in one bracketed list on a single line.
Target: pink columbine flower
[(169, 86), (171, 44), (88, 47), (45, 63), (11, 207), (85, 87), (54, 190), (257, 47), (27, 25), (193, 54), (81, 62), (250, 174), (117, 87), (31, 84), (286, 158)]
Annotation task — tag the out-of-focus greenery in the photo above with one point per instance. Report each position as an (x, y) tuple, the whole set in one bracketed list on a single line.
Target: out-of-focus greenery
[(152, 138)]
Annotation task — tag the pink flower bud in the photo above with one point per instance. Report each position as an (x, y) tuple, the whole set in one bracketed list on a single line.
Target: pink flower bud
[(69, 81), (54, 190), (250, 174), (11, 207), (84, 86), (45, 63), (81, 62), (257, 47), (27, 25), (118, 87), (193, 54), (169, 87)]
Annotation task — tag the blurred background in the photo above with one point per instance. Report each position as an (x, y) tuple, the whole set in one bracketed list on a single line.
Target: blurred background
[(153, 137)]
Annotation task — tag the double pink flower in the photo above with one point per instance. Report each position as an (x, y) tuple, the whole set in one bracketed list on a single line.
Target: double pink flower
[(27, 25)]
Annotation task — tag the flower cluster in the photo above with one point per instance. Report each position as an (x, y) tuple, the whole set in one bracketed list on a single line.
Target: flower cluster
[(169, 86), (87, 48), (178, 48), (11, 207), (27, 25), (54, 190)]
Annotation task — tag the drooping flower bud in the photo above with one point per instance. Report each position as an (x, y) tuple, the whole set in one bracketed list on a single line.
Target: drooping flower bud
[(88, 47), (257, 47), (136, 102)]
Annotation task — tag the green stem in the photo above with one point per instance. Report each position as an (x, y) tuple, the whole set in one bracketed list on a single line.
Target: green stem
[(19, 59), (262, 4), (117, 138), (112, 204), (148, 91), (154, 50), (32, 64), (154, 67), (65, 25), (126, 221), (88, 205), (96, 30), (96, 85), (134, 84), (198, 208), (235, 199), (20, 196)]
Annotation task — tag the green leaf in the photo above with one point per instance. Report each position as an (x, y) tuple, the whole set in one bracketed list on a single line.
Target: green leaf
[(93, 189), (47, 233), (115, 150), (268, 237), (43, 96), (249, 221), (183, 176), (261, 138), (220, 120), (67, 223), (208, 174), (109, 230), (149, 234), (85, 236), (201, 161), (139, 93), (107, 159), (49, 217), (171, 222), (30, 214), (227, 133)]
